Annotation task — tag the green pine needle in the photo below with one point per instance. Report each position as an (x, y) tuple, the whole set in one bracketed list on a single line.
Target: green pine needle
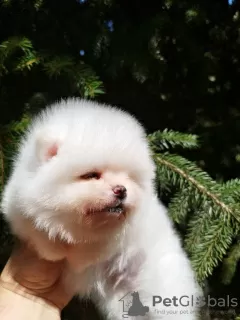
[(230, 264), (57, 65), (9, 46), (162, 140), (216, 217)]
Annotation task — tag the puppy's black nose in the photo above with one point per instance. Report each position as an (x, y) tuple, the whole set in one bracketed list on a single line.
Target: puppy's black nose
[(120, 191)]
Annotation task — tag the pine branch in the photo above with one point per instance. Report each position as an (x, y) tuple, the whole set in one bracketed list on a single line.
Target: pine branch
[(16, 127), (181, 205), (83, 78), (216, 219), (28, 61), (58, 65), (10, 136), (230, 264), (217, 238), (181, 171), (210, 234), (9, 46), (232, 188), (87, 82), (162, 140)]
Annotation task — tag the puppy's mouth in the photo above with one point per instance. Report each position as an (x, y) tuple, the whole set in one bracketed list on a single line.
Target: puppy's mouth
[(116, 208)]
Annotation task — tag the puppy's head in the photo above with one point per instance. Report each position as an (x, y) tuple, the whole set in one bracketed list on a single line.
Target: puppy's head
[(89, 173)]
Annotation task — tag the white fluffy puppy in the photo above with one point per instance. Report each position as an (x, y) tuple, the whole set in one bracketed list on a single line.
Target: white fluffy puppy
[(82, 189)]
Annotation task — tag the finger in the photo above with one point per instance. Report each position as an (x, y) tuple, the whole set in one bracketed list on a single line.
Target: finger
[(32, 272)]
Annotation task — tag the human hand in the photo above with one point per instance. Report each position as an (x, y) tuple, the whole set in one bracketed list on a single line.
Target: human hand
[(28, 275)]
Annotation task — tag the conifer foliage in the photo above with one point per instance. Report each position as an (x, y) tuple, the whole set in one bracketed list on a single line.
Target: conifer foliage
[(209, 210)]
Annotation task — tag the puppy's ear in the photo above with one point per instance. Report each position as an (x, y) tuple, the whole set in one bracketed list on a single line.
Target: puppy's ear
[(46, 147)]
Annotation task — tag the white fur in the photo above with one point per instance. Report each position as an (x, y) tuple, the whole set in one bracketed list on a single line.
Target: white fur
[(108, 255)]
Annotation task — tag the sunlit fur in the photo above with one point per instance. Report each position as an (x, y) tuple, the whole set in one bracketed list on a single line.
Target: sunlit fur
[(49, 203)]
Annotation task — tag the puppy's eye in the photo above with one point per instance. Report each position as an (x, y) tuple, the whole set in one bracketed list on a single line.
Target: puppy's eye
[(91, 175)]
